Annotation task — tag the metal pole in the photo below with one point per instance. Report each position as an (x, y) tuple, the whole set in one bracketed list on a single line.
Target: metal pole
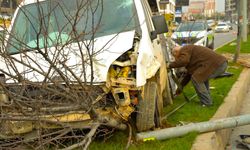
[(237, 52), (177, 108), (245, 21), (194, 127)]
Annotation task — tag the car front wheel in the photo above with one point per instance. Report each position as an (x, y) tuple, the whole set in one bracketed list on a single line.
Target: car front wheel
[(149, 108)]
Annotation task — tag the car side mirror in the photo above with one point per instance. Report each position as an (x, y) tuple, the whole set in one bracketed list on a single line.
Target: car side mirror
[(160, 25)]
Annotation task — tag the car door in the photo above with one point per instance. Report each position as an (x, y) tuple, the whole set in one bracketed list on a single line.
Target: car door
[(210, 34)]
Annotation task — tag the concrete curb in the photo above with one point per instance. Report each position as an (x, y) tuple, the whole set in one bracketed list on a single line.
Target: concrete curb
[(224, 44), (217, 140)]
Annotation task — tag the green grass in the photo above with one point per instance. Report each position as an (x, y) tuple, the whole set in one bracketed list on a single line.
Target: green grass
[(245, 47), (119, 141), (191, 112)]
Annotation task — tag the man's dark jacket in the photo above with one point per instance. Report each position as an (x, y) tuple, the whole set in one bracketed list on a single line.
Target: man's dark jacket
[(199, 61)]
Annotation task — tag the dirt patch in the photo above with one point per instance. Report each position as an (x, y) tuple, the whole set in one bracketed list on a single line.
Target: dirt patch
[(244, 59)]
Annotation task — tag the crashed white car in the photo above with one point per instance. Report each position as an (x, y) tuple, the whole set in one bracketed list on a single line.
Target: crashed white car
[(113, 47), (193, 32)]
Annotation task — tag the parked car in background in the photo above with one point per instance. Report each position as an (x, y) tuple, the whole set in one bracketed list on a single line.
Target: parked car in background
[(194, 32), (222, 27), (211, 23)]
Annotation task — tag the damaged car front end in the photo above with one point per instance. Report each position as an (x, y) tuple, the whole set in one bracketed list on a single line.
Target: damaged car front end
[(63, 70)]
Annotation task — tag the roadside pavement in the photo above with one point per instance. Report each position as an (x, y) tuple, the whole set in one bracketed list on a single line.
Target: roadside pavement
[(245, 109), (237, 102)]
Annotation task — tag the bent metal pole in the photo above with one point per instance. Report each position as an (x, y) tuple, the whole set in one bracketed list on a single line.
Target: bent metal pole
[(201, 127)]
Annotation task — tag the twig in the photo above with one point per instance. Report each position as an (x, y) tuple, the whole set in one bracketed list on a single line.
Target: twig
[(65, 131), (129, 136), (86, 141)]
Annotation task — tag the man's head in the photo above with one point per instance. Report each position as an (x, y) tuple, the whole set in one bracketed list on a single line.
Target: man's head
[(176, 51)]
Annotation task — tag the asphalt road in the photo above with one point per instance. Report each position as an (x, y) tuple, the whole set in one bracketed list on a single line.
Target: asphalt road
[(222, 38)]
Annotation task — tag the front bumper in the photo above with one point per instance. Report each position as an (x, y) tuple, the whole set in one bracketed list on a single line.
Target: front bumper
[(18, 119), (186, 41)]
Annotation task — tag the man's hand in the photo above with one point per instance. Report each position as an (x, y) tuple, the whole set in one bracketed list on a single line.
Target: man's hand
[(178, 91)]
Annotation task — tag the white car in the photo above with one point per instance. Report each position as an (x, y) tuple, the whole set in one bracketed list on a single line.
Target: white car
[(222, 27), (211, 23), (115, 50), (194, 32)]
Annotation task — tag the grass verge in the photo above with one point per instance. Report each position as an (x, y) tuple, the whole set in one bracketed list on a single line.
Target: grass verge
[(231, 47), (191, 112)]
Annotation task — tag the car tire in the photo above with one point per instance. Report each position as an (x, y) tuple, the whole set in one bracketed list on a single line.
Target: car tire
[(149, 108)]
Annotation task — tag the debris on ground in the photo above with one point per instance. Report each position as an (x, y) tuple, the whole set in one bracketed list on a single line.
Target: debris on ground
[(244, 59), (244, 142)]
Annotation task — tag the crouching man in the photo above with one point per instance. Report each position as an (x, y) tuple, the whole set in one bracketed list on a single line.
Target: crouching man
[(202, 64)]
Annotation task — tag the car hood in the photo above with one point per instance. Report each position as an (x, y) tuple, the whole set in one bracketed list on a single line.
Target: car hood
[(187, 34), (104, 50)]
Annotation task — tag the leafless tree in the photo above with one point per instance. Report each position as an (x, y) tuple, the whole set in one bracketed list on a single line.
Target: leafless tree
[(47, 65)]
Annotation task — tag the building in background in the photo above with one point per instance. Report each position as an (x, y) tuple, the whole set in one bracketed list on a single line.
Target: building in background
[(178, 14), (231, 10), (209, 8), (196, 7), (9, 6), (180, 10), (166, 6)]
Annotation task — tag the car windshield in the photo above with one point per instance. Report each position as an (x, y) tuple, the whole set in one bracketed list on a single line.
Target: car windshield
[(55, 22), (191, 26)]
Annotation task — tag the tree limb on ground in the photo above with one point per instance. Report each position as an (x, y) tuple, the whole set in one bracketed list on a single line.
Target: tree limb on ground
[(86, 141)]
